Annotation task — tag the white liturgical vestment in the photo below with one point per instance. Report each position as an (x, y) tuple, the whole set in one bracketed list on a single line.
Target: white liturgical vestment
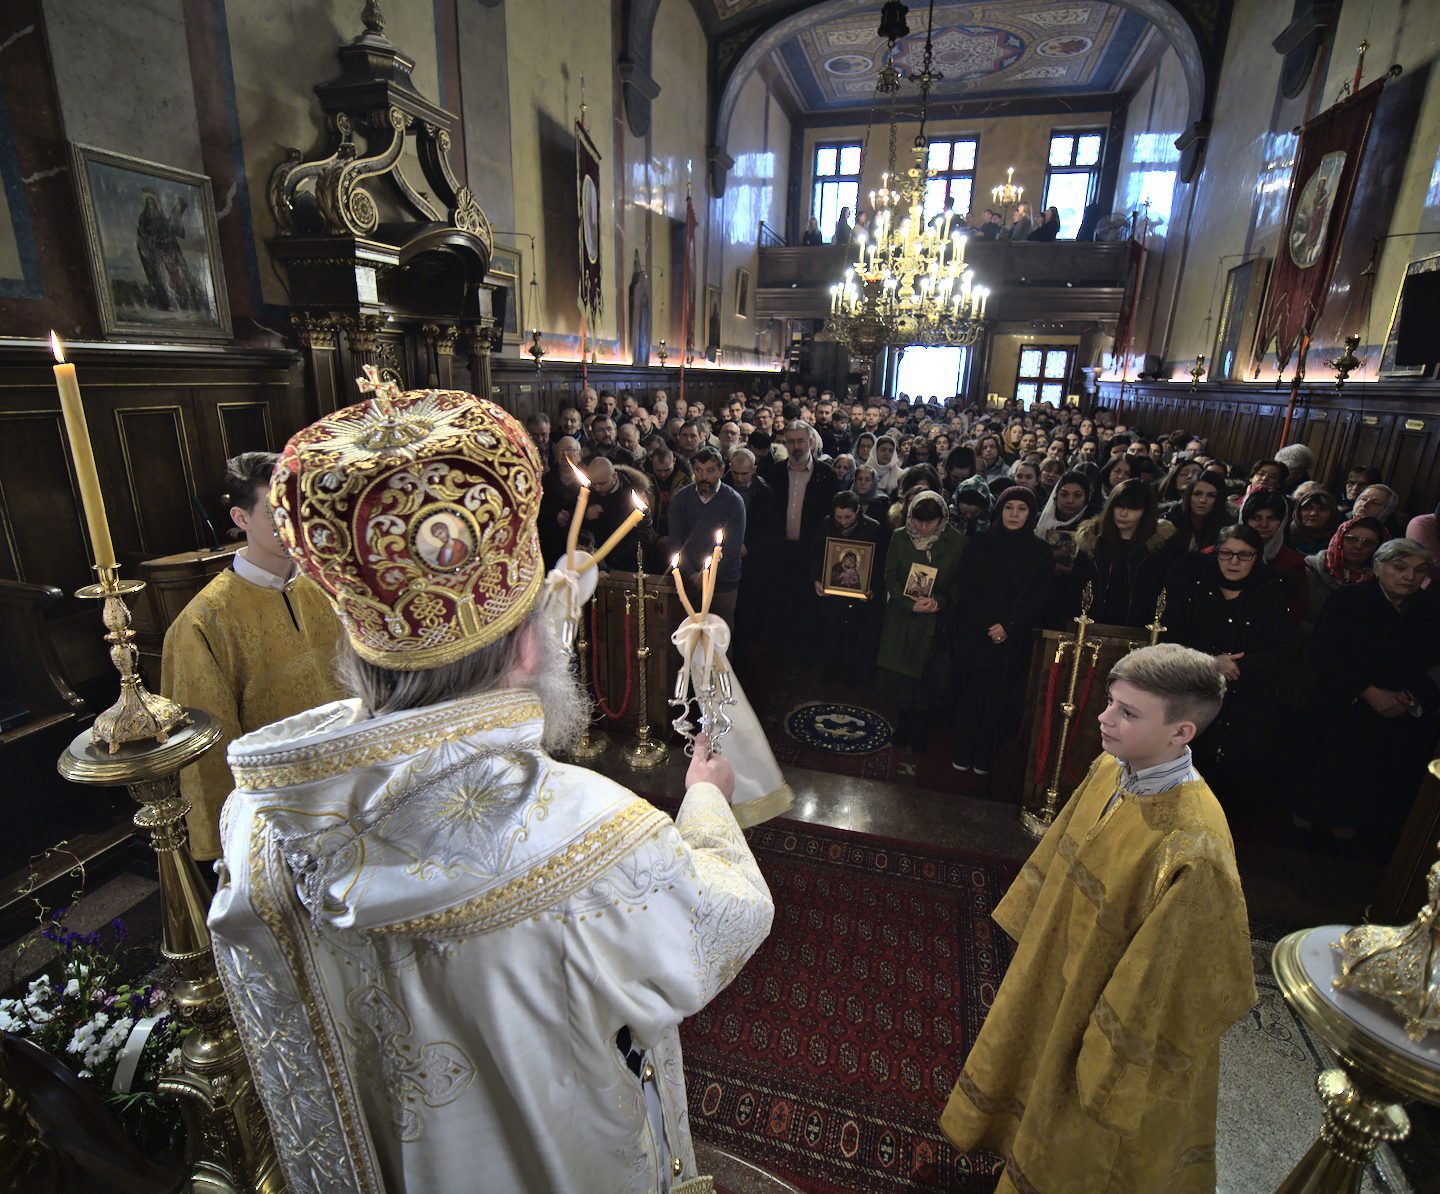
[(431, 934)]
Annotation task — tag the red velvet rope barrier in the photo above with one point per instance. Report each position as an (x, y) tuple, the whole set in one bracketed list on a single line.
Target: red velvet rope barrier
[(612, 714), (1047, 722), (1079, 712)]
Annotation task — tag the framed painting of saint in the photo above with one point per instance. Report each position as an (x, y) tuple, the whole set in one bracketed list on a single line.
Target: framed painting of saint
[(153, 248), (848, 564)]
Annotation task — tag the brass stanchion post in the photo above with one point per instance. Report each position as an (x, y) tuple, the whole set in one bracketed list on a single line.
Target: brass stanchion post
[(593, 743), (1036, 821), (644, 753)]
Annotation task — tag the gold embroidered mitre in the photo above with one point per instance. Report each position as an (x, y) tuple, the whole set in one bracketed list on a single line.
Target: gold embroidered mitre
[(1399, 965), (416, 513)]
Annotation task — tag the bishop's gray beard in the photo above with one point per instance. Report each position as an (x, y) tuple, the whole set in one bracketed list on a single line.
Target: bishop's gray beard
[(567, 712)]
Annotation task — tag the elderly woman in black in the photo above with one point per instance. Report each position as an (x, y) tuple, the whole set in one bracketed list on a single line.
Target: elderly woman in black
[(1123, 555), (1227, 604), (1003, 588), (1376, 708)]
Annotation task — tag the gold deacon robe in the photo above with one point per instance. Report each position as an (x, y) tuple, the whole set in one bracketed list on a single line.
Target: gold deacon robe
[(247, 652), (1097, 1069), (432, 934)]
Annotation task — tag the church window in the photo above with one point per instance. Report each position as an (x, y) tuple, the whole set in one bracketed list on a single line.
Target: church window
[(837, 182), (952, 175), (1043, 373), (1072, 178)]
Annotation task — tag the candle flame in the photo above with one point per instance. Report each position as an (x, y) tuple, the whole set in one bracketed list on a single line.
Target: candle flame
[(57, 348), (639, 501), (581, 476), (719, 536), (675, 560), (708, 561)]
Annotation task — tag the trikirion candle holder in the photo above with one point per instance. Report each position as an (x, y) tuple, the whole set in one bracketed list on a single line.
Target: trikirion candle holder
[(137, 714)]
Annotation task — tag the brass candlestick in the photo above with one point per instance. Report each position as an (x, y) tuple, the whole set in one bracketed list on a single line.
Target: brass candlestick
[(1036, 822), (593, 743), (1157, 628), (536, 349), (228, 1144), (137, 714), (1198, 372), (663, 353), (644, 753)]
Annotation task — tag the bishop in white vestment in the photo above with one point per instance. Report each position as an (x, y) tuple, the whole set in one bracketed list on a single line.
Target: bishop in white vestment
[(455, 962)]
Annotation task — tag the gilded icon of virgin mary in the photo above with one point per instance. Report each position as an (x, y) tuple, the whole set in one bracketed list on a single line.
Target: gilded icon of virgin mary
[(1312, 212)]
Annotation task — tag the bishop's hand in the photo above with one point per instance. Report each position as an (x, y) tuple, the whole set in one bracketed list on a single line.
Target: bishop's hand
[(710, 769)]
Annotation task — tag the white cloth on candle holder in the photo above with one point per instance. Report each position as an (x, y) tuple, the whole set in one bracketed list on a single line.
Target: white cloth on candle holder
[(760, 790), (567, 590)]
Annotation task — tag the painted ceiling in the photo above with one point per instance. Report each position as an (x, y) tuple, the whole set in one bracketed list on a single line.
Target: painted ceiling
[(1004, 47)]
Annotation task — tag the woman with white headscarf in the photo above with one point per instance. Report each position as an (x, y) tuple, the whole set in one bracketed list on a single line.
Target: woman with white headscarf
[(886, 462)]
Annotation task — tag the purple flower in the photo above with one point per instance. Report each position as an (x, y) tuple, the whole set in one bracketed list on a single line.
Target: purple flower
[(121, 932)]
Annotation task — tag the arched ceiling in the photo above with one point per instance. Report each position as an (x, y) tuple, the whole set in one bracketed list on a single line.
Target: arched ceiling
[(1003, 47)]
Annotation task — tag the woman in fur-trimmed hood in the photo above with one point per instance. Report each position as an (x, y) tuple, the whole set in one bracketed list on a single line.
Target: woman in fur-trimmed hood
[(1124, 555)]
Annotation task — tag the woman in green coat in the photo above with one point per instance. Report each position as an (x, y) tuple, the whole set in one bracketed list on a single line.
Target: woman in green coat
[(921, 570)]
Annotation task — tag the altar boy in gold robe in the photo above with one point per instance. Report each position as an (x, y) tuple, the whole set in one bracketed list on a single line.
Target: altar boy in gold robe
[(254, 646), (1098, 1066)]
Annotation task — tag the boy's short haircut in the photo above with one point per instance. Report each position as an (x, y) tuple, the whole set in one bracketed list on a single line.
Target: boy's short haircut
[(1188, 681), (247, 478)]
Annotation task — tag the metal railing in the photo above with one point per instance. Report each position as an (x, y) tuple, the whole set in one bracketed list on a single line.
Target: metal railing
[(770, 239)]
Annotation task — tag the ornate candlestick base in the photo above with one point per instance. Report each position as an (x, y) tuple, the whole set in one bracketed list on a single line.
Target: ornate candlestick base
[(228, 1142), (1378, 1067), (645, 753), (137, 715)]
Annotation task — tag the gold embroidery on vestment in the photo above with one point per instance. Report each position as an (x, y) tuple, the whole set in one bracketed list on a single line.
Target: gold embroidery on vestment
[(545, 884)]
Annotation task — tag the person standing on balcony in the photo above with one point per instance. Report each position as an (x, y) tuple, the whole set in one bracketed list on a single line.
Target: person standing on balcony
[(842, 228), (1020, 229), (812, 234)]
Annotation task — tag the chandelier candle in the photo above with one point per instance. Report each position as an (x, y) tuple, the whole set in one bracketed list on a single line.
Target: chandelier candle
[(86, 476)]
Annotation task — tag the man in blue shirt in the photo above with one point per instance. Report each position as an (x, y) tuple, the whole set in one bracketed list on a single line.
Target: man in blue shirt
[(696, 513)]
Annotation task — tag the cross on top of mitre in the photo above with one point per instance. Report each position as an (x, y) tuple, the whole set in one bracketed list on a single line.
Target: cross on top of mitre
[(383, 390)]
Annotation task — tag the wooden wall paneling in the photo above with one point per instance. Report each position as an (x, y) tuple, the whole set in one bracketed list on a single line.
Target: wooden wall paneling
[(44, 530), (157, 452), (1414, 447)]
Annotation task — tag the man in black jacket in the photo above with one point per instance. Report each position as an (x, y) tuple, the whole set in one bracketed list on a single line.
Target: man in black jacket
[(803, 486), (758, 552)]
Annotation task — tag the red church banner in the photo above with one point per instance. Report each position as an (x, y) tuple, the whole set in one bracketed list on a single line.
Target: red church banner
[(1327, 162), (587, 197)]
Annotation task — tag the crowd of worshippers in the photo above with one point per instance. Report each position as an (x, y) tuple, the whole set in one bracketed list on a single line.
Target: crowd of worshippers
[(983, 525), (988, 224)]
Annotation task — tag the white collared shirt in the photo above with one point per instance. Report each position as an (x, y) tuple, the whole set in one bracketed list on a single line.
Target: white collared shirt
[(1151, 781), (256, 575)]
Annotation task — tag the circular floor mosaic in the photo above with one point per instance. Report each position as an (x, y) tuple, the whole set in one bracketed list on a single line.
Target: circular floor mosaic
[(843, 729)]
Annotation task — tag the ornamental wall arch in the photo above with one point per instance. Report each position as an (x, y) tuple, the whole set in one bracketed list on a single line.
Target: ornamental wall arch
[(1176, 22)]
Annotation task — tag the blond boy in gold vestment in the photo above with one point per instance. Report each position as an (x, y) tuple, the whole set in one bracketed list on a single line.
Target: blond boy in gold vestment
[(1097, 1069), (254, 646)]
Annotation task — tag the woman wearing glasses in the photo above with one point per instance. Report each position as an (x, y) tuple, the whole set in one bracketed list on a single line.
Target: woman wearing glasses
[(1226, 603)]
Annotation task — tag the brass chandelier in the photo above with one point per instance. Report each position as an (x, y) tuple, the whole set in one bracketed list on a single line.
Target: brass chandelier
[(909, 283)]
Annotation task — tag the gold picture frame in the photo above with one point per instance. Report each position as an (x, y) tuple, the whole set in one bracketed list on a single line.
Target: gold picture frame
[(1239, 317), (848, 566), (742, 293), (505, 273), (1387, 366), (153, 248)]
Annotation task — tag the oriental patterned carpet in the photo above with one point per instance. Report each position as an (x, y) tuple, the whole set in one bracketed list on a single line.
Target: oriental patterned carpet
[(828, 1059)]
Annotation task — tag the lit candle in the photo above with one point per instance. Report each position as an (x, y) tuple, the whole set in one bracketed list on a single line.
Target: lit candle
[(86, 475), (714, 573), (578, 517), (610, 544), (680, 586)]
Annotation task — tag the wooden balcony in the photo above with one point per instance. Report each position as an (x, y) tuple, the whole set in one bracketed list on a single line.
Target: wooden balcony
[(1058, 281)]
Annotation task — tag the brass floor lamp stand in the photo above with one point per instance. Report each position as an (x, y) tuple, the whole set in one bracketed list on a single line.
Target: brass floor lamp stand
[(645, 752), (143, 743)]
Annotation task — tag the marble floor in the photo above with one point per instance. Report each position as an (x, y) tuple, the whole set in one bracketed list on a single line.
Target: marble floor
[(1269, 1111)]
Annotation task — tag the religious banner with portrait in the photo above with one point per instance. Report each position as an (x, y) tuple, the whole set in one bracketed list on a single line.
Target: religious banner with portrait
[(587, 197), (1327, 162)]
